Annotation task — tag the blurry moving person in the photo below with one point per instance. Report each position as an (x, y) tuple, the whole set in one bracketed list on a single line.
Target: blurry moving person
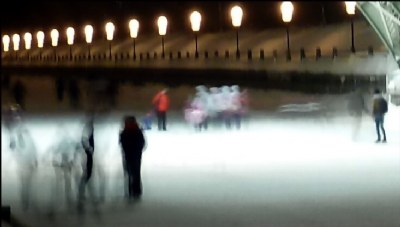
[(356, 107), (132, 142), (147, 120), (379, 109), (245, 104), (161, 105), (25, 153), (88, 146), (12, 121)]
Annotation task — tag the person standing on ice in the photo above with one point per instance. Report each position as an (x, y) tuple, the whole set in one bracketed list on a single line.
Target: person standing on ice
[(88, 146), (379, 109), (132, 142), (161, 105), (203, 97)]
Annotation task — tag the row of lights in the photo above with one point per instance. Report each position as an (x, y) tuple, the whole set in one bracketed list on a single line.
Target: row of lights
[(162, 22)]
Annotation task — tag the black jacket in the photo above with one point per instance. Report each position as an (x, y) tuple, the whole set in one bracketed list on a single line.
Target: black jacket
[(132, 142)]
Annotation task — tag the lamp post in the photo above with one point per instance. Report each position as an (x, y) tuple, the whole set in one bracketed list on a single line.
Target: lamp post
[(236, 15), (110, 35), (89, 38), (287, 12), (28, 42), (162, 23), (195, 20), (6, 43), (40, 42), (351, 10), (16, 39), (54, 41), (70, 40), (134, 29)]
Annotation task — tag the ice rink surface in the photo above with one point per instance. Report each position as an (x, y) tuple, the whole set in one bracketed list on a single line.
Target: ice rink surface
[(279, 169)]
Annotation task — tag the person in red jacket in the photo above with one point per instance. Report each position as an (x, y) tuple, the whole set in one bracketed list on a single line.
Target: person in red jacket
[(161, 105)]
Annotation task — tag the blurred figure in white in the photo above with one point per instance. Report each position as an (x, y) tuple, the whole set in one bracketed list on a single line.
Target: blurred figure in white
[(204, 105), (226, 106), (245, 105), (215, 111), (356, 107), (235, 105), (195, 114), (12, 120), (65, 158), (25, 154)]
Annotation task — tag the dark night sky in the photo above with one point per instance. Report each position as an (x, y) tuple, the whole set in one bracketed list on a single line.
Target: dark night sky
[(18, 17)]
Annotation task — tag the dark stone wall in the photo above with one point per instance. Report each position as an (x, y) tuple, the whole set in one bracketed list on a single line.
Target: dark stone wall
[(292, 81)]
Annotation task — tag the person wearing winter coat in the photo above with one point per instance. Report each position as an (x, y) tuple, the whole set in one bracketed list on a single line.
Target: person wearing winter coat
[(87, 142), (161, 105), (132, 142), (379, 108)]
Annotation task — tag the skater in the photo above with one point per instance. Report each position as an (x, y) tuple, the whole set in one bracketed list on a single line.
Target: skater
[(132, 142), (88, 145), (161, 105), (379, 109), (147, 121)]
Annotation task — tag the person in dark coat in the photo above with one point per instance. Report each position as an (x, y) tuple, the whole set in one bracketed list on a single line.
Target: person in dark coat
[(88, 145), (379, 109), (132, 142)]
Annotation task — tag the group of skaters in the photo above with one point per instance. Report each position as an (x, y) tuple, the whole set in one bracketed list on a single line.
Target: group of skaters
[(225, 105), (73, 159), (219, 105)]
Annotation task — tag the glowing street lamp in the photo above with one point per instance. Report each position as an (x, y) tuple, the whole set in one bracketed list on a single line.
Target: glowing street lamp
[(89, 37), (70, 40), (134, 29), (54, 41), (110, 28), (351, 10), (287, 12), (16, 39), (28, 42), (195, 21), (6, 43), (236, 15), (162, 23), (40, 42)]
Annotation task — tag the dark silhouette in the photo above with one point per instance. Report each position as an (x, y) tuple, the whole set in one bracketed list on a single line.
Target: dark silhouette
[(161, 105), (88, 146), (379, 109), (19, 92), (132, 142)]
